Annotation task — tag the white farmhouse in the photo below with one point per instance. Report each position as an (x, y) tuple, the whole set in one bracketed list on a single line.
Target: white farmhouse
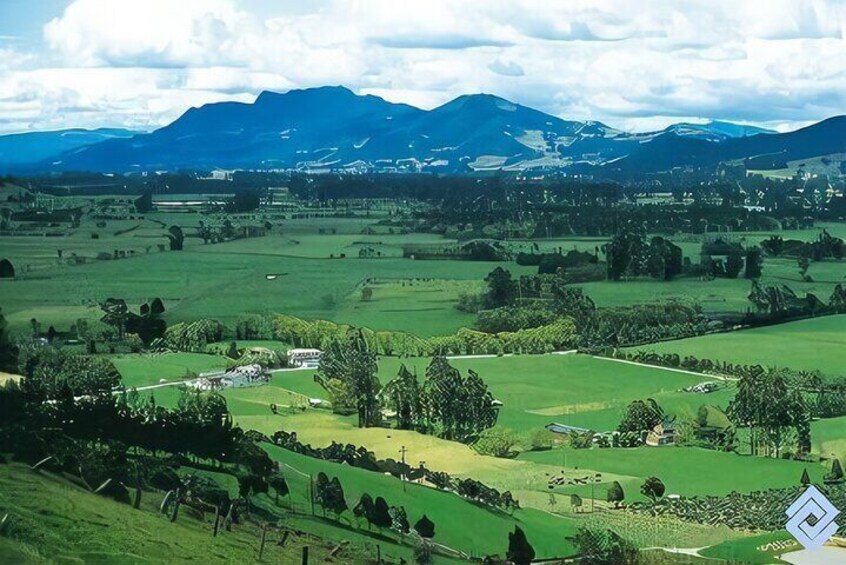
[(246, 375), (306, 358)]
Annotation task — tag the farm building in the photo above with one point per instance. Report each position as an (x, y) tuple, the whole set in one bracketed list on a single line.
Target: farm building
[(306, 358), (662, 434), (564, 428), (247, 375)]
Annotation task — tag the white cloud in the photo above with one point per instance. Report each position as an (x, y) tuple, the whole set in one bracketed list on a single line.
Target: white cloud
[(631, 64)]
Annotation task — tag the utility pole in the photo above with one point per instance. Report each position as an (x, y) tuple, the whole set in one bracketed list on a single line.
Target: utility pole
[(593, 482), (403, 451), (311, 494)]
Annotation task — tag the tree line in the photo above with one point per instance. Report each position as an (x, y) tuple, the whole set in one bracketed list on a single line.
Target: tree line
[(445, 404)]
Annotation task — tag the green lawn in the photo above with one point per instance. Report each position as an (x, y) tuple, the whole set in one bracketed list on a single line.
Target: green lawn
[(145, 369), (814, 344)]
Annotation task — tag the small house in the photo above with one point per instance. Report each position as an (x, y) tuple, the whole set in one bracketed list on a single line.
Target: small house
[(662, 434)]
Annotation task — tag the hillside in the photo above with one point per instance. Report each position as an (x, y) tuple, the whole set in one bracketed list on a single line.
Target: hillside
[(51, 518), (22, 148), (770, 151)]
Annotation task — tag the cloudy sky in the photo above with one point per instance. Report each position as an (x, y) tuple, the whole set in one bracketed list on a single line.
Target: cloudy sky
[(635, 65)]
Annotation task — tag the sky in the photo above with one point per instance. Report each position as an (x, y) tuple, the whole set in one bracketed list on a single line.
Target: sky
[(634, 65)]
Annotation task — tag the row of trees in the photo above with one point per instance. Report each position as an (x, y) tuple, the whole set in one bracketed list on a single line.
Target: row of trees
[(774, 412), (195, 336), (629, 255), (824, 396), (362, 458), (544, 301), (445, 404)]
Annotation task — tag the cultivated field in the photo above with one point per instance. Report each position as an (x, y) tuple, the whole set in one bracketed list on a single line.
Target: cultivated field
[(814, 344)]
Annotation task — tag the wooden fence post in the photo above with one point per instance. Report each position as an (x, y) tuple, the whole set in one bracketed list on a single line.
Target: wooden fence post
[(305, 555), (284, 539), (136, 504), (263, 538), (176, 506)]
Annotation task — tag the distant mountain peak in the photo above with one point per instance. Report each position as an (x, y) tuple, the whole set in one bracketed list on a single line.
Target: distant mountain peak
[(266, 96)]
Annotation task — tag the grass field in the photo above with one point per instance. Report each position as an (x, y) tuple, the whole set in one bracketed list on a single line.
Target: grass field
[(536, 390), (686, 471), (430, 304), (450, 513), (719, 294), (54, 520), (578, 390), (226, 282), (756, 550), (829, 437), (814, 344), (145, 369), (229, 279)]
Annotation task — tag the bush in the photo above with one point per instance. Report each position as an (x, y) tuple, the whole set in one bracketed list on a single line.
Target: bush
[(541, 440), (497, 442), (469, 302)]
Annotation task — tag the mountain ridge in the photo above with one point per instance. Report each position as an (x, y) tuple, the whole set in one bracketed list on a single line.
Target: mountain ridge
[(333, 128)]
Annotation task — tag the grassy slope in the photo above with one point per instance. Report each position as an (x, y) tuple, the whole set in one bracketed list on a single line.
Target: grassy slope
[(459, 524), (52, 518), (807, 344), (755, 550)]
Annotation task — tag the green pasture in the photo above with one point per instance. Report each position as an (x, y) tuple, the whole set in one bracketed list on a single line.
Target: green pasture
[(812, 344), (53, 520), (224, 281), (32, 254), (762, 549), (425, 307), (322, 246), (578, 390), (144, 369), (687, 471)]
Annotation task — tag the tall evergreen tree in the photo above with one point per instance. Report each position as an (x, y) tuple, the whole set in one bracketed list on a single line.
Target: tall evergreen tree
[(402, 395), (425, 527), (520, 551), (350, 361)]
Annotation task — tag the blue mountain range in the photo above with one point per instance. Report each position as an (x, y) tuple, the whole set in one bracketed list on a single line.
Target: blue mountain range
[(334, 129)]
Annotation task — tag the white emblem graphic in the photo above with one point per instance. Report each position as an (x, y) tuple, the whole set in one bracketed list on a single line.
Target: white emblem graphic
[(811, 519)]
